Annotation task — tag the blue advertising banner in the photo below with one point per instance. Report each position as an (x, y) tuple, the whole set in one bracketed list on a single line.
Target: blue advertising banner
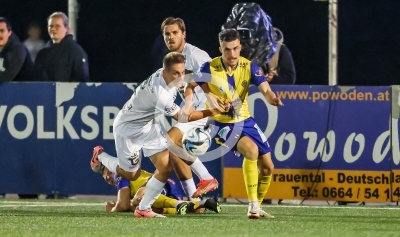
[(325, 139), (48, 131)]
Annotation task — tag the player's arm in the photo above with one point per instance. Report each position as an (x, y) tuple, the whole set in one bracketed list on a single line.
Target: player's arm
[(124, 195), (258, 79), (182, 117), (124, 200), (173, 110)]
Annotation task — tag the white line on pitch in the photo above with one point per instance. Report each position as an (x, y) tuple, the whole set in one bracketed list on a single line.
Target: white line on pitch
[(61, 204)]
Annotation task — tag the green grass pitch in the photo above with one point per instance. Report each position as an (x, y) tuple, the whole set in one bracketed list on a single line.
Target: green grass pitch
[(78, 218)]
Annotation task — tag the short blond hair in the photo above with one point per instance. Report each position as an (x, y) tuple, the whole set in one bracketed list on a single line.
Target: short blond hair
[(173, 58)]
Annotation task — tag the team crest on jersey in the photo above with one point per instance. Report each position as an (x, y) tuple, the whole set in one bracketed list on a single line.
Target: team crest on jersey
[(258, 73), (244, 83), (242, 64)]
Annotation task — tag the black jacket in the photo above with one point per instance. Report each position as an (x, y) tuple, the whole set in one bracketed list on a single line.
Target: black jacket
[(62, 62), (15, 61)]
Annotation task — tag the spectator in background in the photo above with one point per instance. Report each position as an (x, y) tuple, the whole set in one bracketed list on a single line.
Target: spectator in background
[(280, 68), (15, 61), (34, 43), (62, 59)]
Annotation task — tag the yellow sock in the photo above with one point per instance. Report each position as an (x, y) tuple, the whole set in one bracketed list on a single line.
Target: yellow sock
[(263, 186), (250, 174), (169, 211), (164, 201), (196, 204)]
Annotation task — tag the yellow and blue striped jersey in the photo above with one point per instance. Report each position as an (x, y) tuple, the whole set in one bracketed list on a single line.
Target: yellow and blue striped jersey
[(231, 87)]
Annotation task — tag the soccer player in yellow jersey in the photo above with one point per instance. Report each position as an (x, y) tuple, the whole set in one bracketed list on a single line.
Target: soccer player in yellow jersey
[(226, 79), (168, 202)]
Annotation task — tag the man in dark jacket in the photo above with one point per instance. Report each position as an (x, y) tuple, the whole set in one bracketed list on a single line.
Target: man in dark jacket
[(62, 59), (15, 61)]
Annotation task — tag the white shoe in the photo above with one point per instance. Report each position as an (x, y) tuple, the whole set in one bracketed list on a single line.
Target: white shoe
[(265, 214), (253, 211)]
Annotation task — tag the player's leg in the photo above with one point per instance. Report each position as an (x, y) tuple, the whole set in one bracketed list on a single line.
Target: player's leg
[(207, 181), (166, 204), (265, 167), (128, 156), (264, 162), (155, 184), (249, 150)]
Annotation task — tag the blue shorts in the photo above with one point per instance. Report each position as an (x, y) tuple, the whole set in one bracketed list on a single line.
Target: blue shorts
[(228, 134), (171, 189)]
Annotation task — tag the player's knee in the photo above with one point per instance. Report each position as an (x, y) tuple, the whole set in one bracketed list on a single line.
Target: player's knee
[(166, 171), (250, 152), (248, 149), (266, 170)]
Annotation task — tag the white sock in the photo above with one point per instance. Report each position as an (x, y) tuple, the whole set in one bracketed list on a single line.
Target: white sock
[(177, 203), (109, 161), (189, 187), (200, 170), (154, 188)]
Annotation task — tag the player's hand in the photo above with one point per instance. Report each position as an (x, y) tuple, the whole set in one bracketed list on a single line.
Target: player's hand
[(215, 102), (276, 101), (109, 206), (227, 106)]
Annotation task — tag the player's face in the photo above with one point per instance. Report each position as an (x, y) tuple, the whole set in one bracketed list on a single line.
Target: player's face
[(108, 176), (230, 52), (174, 38), (4, 34), (174, 75), (57, 29)]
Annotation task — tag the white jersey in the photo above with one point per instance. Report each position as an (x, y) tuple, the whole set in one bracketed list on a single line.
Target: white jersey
[(194, 58), (151, 98)]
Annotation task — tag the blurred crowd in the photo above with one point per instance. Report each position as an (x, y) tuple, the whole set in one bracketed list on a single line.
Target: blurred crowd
[(61, 59)]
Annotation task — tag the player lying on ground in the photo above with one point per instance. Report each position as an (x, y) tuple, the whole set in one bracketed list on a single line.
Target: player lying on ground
[(229, 76), (169, 201), (135, 129)]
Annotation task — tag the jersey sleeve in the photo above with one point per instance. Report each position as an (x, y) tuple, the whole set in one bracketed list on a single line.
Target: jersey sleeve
[(203, 75), (257, 75), (120, 182), (165, 103), (199, 58)]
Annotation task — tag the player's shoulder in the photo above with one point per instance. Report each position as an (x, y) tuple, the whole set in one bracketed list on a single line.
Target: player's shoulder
[(194, 51), (243, 62), (155, 79), (216, 62)]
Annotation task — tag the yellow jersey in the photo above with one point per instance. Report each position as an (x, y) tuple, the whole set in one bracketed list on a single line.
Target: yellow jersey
[(133, 185), (231, 87)]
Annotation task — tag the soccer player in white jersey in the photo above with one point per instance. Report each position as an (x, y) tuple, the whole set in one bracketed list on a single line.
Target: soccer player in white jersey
[(174, 33), (135, 129)]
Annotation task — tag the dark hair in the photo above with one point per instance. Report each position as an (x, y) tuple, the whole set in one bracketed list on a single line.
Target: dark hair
[(171, 21), (8, 24), (173, 58), (228, 35)]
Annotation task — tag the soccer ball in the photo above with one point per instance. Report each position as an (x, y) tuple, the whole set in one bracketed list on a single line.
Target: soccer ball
[(196, 141)]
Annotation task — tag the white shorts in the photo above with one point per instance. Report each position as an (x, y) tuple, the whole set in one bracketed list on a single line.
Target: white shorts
[(184, 127), (128, 148)]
